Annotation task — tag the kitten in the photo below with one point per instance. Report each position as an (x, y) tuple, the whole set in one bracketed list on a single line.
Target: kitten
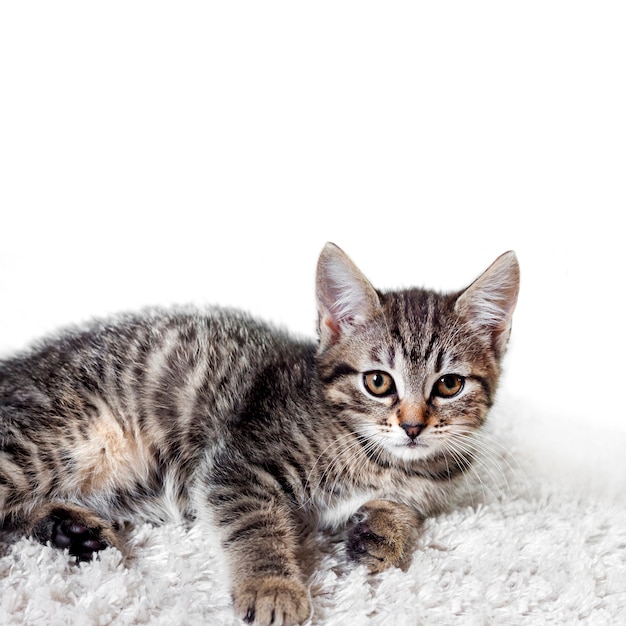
[(220, 418)]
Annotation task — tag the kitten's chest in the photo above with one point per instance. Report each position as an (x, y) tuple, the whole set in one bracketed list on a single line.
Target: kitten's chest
[(336, 512), (423, 495)]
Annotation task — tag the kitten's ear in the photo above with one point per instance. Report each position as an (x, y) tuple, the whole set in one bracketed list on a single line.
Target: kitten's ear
[(345, 297), (490, 300)]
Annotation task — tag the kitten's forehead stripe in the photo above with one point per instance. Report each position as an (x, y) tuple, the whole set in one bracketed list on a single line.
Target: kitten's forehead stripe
[(414, 319), (439, 361), (431, 346)]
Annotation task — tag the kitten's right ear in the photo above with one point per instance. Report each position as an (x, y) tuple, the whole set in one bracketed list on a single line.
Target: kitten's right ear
[(345, 298)]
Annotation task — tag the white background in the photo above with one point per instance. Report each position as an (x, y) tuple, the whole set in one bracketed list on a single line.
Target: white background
[(164, 152)]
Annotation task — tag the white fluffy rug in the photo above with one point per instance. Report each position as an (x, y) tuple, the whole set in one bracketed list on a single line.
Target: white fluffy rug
[(542, 541)]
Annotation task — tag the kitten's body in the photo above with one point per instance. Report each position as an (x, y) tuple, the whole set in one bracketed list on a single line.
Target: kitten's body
[(215, 416)]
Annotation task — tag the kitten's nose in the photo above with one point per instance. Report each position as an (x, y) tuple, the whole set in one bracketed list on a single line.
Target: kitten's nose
[(413, 430)]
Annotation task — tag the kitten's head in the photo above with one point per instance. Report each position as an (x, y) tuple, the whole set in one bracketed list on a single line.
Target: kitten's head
[(412, 371)]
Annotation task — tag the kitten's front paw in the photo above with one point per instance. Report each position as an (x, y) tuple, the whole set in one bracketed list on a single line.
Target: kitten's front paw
[(272, 600), (383, 535)]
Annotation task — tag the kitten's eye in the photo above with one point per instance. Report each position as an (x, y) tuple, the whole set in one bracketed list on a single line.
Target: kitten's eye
[(379, 384), (448, 386)]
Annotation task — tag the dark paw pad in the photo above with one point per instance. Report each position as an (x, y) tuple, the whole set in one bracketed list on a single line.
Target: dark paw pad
[(70, 527), (81, 541), (360, 539)]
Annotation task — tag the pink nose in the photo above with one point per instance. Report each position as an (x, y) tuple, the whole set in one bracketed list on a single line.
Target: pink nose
[(413, 430)]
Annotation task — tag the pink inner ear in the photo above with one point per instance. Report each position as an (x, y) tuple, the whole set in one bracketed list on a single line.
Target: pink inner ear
[(332, 326), (345, 297)]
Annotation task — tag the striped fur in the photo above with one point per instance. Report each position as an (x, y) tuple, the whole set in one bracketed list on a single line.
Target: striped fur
[(214, 416)]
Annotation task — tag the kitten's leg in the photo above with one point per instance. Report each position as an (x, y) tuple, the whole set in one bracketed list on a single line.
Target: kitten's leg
[(69, 526), (383, 534), (260, 537), (268, 583)]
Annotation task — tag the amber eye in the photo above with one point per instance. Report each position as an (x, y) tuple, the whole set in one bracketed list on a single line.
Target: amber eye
[(379, 384), (448, 386)]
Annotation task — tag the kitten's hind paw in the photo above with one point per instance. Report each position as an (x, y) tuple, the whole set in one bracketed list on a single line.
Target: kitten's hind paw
[(272, 601), (79, 531), (82, 542)]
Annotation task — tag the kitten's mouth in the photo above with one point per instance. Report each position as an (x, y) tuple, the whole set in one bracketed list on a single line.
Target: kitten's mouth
[(411, 450), (414, 443)]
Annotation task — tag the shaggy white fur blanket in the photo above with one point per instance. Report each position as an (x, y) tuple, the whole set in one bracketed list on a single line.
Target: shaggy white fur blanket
[(541, 540)]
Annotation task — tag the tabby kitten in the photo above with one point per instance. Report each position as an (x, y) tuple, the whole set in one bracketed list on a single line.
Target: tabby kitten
[(217, 417)]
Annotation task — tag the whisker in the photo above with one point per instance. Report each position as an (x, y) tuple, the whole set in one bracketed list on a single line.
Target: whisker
[(463, 471), (459, 456), (497, 449), (345, 459), (488, 462), (334, 442)]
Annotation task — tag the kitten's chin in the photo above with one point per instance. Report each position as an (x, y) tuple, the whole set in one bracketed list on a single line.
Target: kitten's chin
[(410, 451)]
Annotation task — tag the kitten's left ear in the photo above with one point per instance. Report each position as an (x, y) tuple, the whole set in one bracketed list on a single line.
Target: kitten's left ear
[(490, 300), (345, 298)]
